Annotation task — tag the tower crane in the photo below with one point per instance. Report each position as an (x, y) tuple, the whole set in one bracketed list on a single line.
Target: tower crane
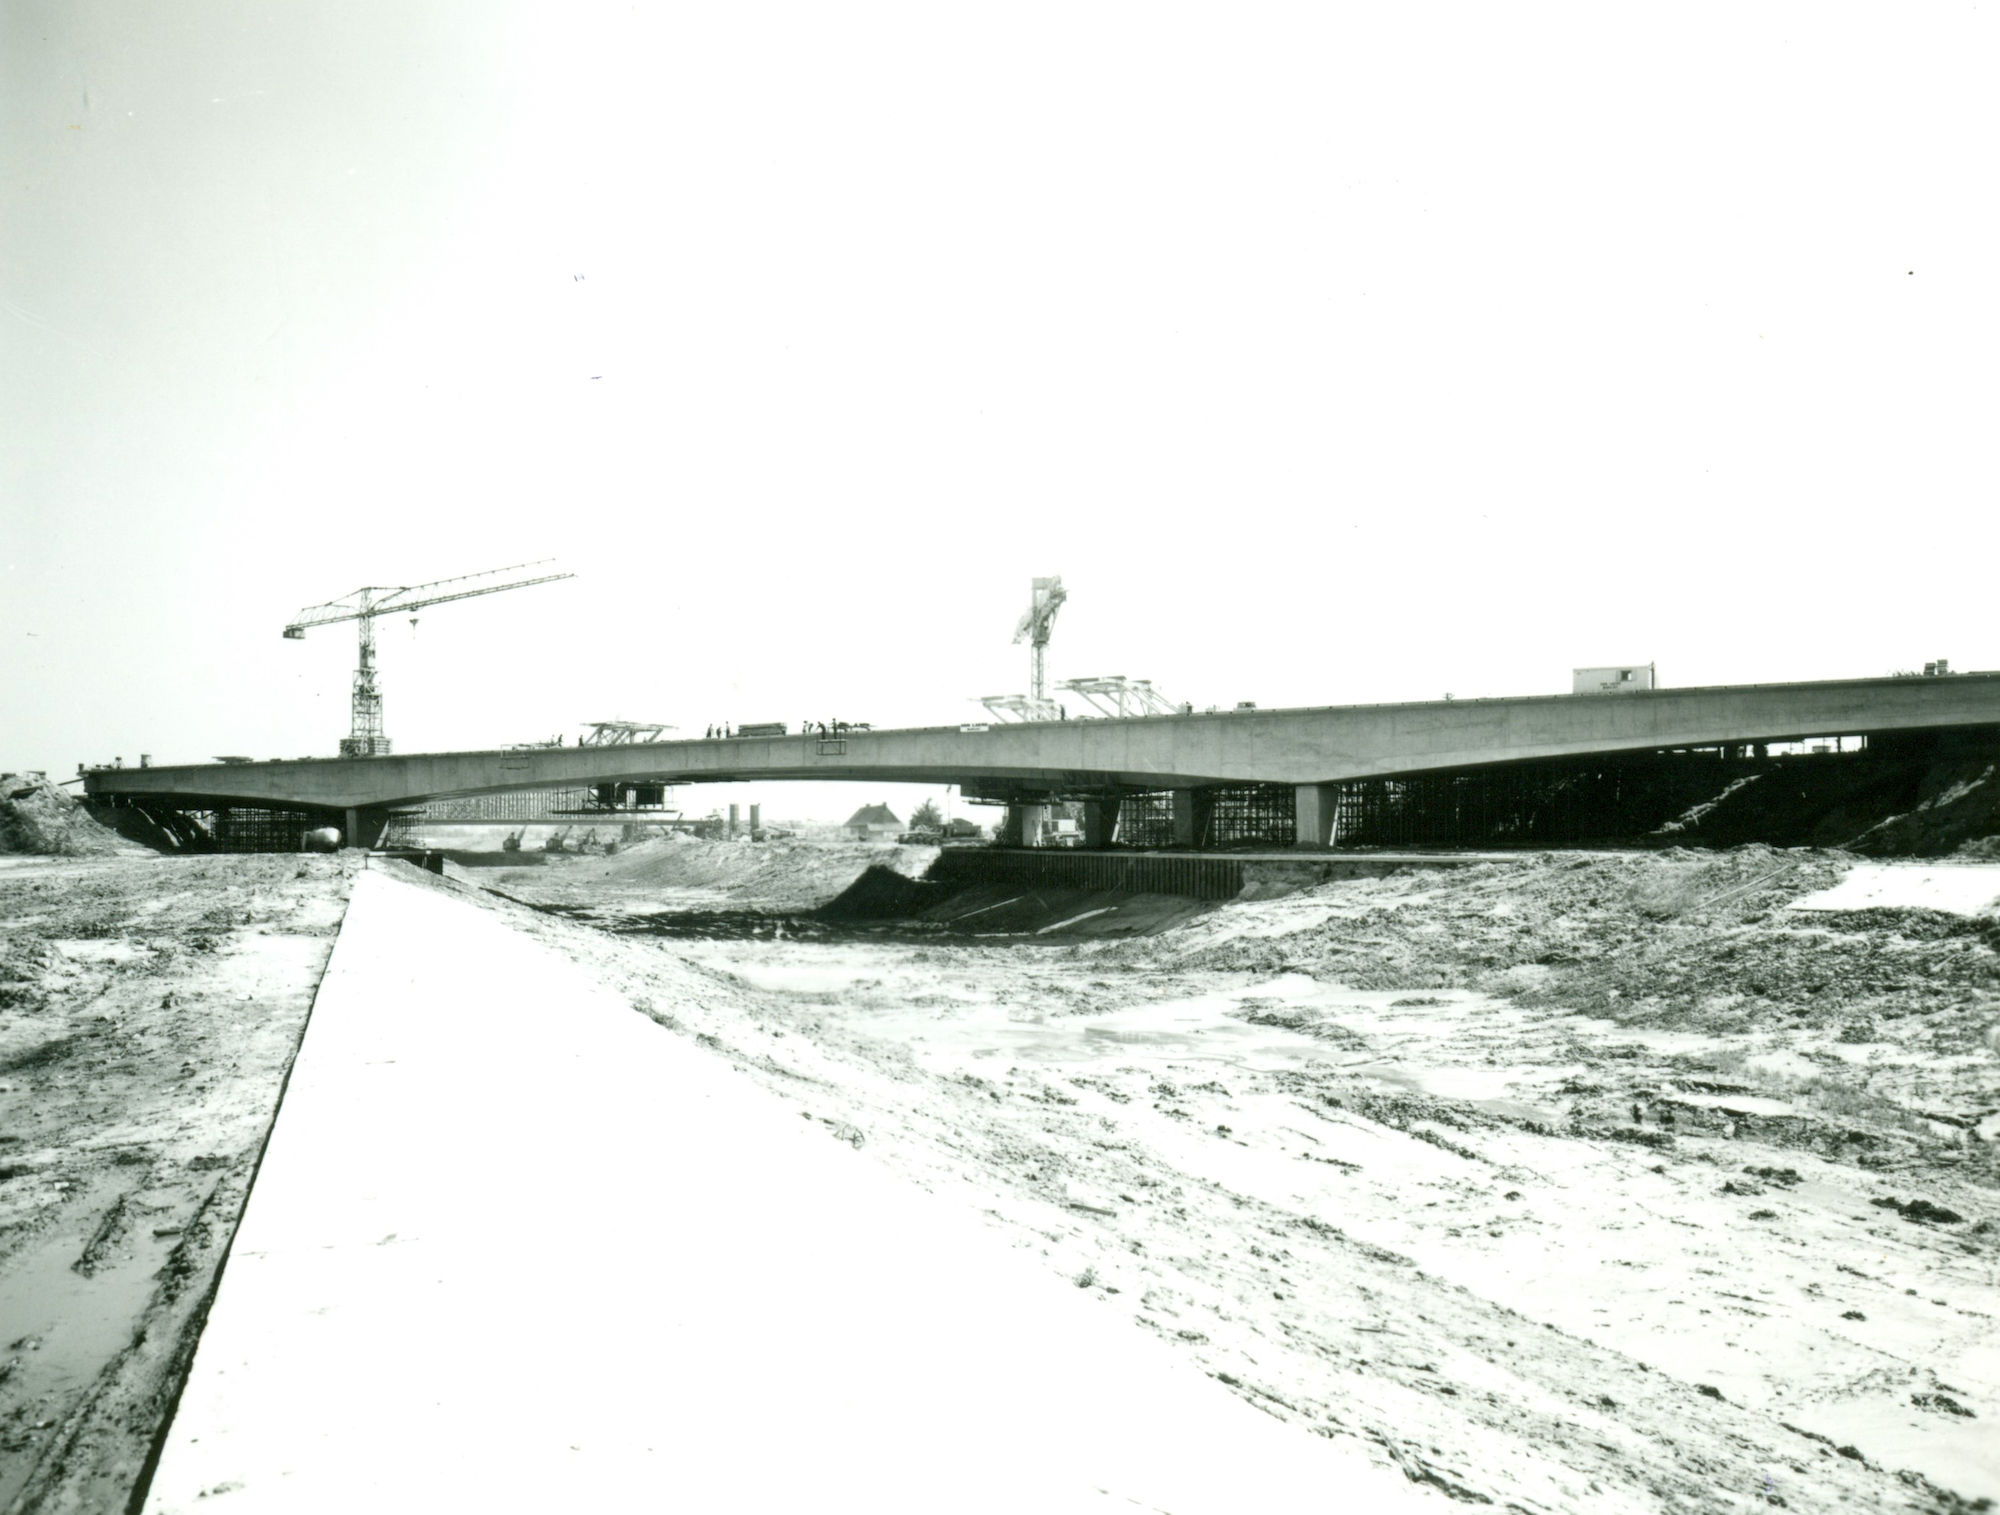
[(363, 605), (1036, 622), (1046, 599)]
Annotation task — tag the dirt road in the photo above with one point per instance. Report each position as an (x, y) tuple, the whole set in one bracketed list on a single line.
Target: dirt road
[(149, 1008)]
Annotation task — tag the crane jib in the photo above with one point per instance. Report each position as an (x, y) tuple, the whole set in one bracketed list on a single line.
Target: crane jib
[(366, 737)]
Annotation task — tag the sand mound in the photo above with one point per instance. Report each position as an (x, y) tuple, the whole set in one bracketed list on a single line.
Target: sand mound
[(1954, 804), (801, 873), (1882, 806), (37, 817)]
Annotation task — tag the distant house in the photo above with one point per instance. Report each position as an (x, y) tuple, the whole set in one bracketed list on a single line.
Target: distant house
[(873, 823)]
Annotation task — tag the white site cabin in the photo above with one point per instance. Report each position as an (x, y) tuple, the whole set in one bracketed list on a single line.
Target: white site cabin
[(1625, 678)]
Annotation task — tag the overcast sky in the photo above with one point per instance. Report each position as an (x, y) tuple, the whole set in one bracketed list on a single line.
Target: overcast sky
[(1329, 353)]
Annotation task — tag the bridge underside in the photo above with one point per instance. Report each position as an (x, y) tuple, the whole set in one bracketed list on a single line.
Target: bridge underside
[(1207, 765), (1604, 798)]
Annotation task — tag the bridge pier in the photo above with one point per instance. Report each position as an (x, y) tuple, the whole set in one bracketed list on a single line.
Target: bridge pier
[(1034, 821), (365, 827), (1100, 820), (1191, 807), (1314, 810), (1024, 824)]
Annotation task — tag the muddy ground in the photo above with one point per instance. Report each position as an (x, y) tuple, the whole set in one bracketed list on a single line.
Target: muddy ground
[(1558, 1182), (149, 1009), (1562, 1182)]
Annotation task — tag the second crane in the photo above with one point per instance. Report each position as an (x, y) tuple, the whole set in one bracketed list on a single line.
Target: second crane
[(367, 738)]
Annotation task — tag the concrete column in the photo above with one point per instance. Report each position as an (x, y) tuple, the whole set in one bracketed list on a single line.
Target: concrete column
[(1100, 822), (735, 813), (1190, 810), (1023, 824), (756, 818), (365, 827), (1034, 820), (1314, 814)]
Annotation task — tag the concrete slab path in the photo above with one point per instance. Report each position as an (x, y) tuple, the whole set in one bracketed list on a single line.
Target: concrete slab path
[(514, 1246)]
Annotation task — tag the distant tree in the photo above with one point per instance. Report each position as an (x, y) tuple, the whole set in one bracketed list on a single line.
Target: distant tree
[(927, 817)]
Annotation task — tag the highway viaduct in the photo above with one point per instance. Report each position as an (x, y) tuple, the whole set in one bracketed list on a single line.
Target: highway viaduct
[(1313, 749)]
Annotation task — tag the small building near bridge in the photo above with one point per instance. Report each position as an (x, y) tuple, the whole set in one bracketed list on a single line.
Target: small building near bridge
[(873, 823), (1622, 678)]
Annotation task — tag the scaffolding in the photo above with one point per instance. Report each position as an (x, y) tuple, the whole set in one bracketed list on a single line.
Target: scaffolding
[(610, 800), (1117, 696), (1021, 707), (235, 828), (1558, 802), (1240, 815), (1146, 820), (623, 733)]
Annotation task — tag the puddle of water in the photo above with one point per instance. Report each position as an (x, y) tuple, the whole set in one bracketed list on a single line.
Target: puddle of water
[(1189, 1030), (950, 1037), (825, 976), (79, 1323), (1654, 1038), (1489, 1089), (1742, 1104), (96, 950)]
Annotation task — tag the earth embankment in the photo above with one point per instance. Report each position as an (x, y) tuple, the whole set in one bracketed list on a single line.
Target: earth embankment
[(688, 872), (1610, 1181), (38, 819), (1878, 805)]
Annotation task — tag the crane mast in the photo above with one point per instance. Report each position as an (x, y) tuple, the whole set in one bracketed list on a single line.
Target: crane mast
[(1045, 600), (366, 736), (1036, 623)]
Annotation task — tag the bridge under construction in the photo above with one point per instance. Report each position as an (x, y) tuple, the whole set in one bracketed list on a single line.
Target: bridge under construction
[(1312, 777)]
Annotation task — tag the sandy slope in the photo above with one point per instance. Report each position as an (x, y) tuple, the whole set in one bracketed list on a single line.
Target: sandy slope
[(1563, 1183), (686, 872)]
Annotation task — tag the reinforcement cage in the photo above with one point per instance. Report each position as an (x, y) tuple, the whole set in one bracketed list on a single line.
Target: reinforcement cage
[(236, 828), (1146, 820), (1557, 802), (1263, 814)]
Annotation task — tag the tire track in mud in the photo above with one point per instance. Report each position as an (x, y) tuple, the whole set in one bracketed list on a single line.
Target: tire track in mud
[(157, 1005)]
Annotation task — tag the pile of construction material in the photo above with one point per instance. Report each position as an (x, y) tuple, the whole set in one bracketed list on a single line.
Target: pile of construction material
[(37, 817)]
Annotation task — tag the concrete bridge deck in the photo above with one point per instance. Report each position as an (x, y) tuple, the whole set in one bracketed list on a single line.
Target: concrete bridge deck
[(1312, 748)]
